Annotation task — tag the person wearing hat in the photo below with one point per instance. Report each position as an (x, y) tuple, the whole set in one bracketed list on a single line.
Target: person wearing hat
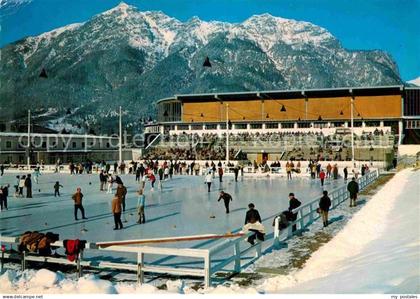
[(324, 206), (353, 188), (226, 198), (293, 204), (253, 224)]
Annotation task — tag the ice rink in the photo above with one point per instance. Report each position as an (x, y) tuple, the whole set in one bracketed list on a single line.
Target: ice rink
[(183, 207)]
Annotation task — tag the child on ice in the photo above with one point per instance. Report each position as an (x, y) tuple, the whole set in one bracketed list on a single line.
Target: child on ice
[(57, 188)]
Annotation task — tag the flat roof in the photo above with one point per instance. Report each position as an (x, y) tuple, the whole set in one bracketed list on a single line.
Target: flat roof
[(289, 94)]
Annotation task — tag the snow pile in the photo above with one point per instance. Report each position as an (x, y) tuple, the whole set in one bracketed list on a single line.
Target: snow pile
[(381, 241)]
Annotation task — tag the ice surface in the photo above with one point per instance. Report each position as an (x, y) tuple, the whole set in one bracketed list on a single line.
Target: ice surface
[(182, 207)]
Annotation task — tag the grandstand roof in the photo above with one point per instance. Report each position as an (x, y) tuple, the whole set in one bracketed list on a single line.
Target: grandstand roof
[(289, 94)]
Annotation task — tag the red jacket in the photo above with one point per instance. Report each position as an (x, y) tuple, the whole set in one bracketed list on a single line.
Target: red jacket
[(322, 175)]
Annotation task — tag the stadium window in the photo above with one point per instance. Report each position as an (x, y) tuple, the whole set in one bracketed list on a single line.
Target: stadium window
[(223, 127), (107, 145), (83, 144), (287, 125), (196, 127), (256, 126), (183, 127), (304, 125), (74, 145), (8, 144), (358, 124), (338, 124), (211, 127), (244, 126), (373, 124), (271, 125), (44, 145)]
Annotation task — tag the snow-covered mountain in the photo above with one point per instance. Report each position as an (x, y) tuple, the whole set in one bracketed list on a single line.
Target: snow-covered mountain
[(132, 58), (415, 82)]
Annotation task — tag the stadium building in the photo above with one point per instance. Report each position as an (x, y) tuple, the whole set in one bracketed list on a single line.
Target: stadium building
[(390, 114)]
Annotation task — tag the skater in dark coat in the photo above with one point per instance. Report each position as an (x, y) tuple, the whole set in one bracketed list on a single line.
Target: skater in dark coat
[(57, 186), (293, 204), (353, 188), (236, 171), (77, 198), (4, 193), (226, 198), (28, 185), (252, 215), (324, 207), (346, 173)]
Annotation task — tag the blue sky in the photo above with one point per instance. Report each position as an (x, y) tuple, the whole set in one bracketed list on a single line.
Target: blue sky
[(390, 25)]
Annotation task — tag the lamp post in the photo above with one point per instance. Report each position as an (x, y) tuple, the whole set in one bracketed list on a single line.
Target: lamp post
[(29, 140), (352, 128), (227, 133), (120, 141)]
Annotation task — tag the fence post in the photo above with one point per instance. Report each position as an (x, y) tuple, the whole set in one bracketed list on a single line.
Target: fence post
[(207, 270), (311, 213), (23, 262), (140, 274), (258, 249), (79, 266), (301, 220), (237, 253)]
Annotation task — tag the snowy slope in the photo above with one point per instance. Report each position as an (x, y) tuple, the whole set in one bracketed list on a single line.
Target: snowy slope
[(415, 81)]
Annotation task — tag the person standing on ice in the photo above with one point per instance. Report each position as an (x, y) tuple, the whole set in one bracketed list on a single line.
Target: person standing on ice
[(57, 186), (21, 185), (4, 194), (353, 188), (324, 206), (116, 211), (209, 180), (220, 174), (28, 185), (294, 203), (152, 180), (102, 180), (346, 173), (140, 206), (121, 193), (77, 198), (253, 223), (37, 173), (322, 177), (236, 171), (110, 183), (226, 199)]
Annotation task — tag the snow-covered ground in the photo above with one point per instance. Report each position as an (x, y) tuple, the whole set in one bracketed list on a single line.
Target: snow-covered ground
[(378, 251)]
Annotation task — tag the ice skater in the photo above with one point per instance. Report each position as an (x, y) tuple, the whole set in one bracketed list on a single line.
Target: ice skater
[(227, 198), (140, 206), (353, 188), (4, 193), (78, 198), (57, 186), (209, 180), (37, 174), (294, 203), (110, 184), (152, 180), (253, 224), (116, 211), (28, 185), (322, 177), (324, 206)]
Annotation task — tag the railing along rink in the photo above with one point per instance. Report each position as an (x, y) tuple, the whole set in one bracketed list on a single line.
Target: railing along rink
[(307, 213)]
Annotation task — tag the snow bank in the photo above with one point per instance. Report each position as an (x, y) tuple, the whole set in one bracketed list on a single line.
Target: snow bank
[(376, 252)]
